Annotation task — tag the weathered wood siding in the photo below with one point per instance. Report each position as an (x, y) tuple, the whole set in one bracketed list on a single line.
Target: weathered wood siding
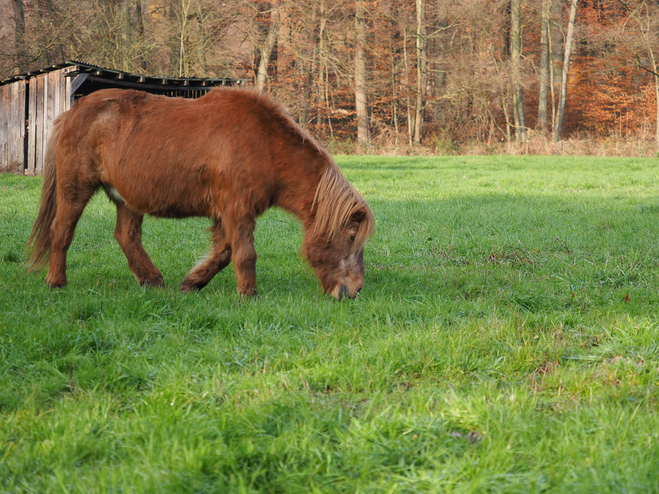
[(32, 129), (30, 104), (12, 126), (27, 112), (50, 95)]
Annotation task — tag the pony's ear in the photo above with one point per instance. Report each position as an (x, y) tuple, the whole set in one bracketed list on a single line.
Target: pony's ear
[(358, 216)]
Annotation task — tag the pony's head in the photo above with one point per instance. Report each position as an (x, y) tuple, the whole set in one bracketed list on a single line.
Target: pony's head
[(334, 246)]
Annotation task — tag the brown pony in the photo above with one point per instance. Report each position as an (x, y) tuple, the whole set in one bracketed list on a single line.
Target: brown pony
[(229, 155)]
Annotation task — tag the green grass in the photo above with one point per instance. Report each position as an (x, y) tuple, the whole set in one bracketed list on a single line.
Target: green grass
[(507, 340)]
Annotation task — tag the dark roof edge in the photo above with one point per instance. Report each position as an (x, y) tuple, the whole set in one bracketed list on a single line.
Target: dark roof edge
[(83, 67)]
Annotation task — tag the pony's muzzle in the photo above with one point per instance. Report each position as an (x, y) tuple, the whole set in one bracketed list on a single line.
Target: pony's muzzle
[(342, 291)]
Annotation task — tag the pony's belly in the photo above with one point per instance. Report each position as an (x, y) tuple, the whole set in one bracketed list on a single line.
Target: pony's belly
[(175, 211), (169, 189), (155, 203)]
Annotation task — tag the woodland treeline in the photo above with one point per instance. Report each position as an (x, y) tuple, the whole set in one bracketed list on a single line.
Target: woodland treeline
[(439, 73)]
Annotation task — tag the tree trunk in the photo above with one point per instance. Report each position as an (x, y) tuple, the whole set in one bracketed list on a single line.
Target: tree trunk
[(361, 92), (647, 31), (125, 35), (19, 35), (141, 34), (182, 36), (322, 66), (394, 93), (421, 70), (410, 135), (201, 42), (653, 60), (503, 99), (566, 67), (267, 47), (505, 29), (328, 108), (51, 51), (306, 68), (516, 69), (544, 65)]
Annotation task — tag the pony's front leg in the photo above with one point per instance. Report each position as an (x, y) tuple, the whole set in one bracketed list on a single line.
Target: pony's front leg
[(128, 233), (218, 258), (244, 256)]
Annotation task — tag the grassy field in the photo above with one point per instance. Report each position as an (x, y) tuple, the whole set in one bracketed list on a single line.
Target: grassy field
[(506, 340)]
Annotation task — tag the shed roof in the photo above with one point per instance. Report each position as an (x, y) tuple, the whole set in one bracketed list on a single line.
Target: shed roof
[(127, 79)]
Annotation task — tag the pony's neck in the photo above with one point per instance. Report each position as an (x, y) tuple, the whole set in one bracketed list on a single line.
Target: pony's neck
[(300, 185)]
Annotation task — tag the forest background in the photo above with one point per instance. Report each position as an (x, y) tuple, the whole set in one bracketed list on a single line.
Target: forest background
[(386, 76)]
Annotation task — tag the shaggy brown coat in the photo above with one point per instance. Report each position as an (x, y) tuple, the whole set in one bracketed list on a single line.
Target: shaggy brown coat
[(229, 155)]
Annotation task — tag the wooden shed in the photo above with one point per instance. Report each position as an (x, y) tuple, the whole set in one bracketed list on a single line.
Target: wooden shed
[(30, 102)]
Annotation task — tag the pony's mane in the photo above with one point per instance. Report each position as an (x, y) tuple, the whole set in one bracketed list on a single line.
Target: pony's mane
[(335, 202)]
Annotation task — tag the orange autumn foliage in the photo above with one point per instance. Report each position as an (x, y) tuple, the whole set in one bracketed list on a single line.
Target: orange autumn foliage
[(466, 63)]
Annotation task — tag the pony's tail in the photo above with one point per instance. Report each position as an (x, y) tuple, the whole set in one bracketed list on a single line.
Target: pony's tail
[(39, 244)]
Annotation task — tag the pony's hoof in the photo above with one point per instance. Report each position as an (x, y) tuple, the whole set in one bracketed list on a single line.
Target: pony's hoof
[(251, 293), (155, 282), (190, 286), (60, 283)]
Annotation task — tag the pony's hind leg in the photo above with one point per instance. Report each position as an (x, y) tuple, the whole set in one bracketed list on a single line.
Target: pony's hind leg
[(244, 255), (61, 233), (128, 233), (217, 259)]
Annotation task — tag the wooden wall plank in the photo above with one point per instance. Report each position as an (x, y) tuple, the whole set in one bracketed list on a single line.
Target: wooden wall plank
[(55, 83), (20, 130), (9, 149), (17, 123), (62, 90), (4, 126), (9, 133), (39, 123), (44, 122), (67, 92), (52, 103), (13, 126), (32, 126)]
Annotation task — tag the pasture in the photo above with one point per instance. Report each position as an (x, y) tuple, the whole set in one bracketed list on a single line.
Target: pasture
[(506, 340)]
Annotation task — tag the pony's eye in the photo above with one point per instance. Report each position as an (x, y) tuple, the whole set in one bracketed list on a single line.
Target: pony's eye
[(352, 238)]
